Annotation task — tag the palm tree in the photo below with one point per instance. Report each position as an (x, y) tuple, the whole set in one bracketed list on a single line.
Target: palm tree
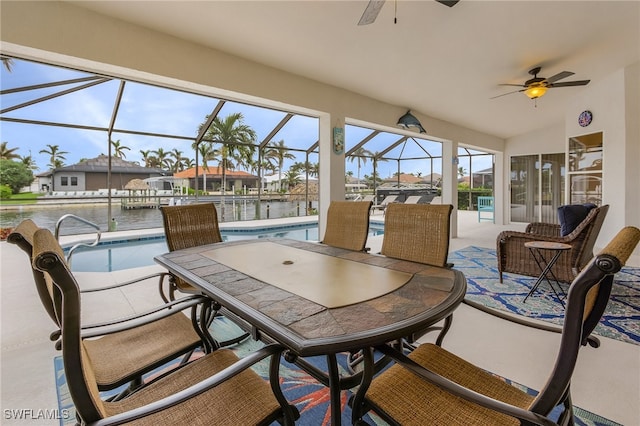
[(178, 160), (55, 156), (348, 176), (291, 178), (147, 157), (278, 151), (236, 138), (7, 153), (205, 149), (189, 163), (118, 149), (360, 155), (161, 157), (7, 62), (461, 171), (28, 161)]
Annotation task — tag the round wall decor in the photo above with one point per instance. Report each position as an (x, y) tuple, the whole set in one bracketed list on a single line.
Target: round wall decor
[(585, 118)]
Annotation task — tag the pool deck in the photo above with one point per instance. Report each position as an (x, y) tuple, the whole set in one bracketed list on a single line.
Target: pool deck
[(606, 380)]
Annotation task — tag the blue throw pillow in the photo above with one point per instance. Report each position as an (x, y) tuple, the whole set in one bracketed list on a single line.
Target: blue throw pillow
[(571, 216)]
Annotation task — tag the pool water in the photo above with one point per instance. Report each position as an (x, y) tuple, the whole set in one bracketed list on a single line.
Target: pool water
[(134, 253)]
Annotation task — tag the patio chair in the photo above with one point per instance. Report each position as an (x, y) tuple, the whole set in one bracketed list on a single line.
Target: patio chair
[(115, 347), (514, 257), (413, 199), (347, 225), (384, 203), (187, 226), (217, 388), (193, 225), (419, 233), (433, 386)]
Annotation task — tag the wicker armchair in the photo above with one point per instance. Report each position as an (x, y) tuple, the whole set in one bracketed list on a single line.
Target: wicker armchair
[(347, 225), (435, 387), (514, 257), (218, 388), (120, 349)]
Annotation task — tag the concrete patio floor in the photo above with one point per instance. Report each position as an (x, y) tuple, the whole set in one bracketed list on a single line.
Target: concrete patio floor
[(606, 380)]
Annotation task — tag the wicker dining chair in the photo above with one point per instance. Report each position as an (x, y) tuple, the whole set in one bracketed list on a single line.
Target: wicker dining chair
[(348, 225), (419, 233), (218, 388), (120, 349), (514, 257), (193, 225), (186, 226), (433, 386)]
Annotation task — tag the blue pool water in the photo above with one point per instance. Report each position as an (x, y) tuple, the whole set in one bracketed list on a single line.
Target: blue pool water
[(133, 253)]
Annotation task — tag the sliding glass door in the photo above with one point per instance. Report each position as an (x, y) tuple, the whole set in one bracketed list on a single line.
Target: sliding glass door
[(537, 187)]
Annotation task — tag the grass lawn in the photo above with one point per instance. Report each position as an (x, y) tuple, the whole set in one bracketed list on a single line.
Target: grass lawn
[(21, 198)]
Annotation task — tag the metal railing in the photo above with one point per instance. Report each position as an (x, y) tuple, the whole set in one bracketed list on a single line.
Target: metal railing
[(79, 219)]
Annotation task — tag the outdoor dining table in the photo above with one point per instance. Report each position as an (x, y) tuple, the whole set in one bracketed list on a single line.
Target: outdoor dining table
[(319, 300)]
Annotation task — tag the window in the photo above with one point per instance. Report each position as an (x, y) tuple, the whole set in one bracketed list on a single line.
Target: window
[(585, 169), (74, 181), (537, 187), (64, 181)]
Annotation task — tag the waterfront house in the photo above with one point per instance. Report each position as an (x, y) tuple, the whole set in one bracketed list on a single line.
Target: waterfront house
[(91, 175)]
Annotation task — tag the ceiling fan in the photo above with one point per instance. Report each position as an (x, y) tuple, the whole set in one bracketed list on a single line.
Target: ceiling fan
[(373, 8), (537, 86)]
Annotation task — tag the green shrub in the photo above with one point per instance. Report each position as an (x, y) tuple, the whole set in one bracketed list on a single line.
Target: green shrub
[(5, 192), (15, 175)]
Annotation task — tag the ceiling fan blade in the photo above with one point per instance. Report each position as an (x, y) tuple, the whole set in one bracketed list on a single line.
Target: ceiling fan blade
[(571, 83), (371, 12), (516, 85), (449, 3), (559, 76), (508, 93)]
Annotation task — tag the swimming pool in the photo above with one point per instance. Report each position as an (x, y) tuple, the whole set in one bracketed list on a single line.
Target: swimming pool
[(136, 252)]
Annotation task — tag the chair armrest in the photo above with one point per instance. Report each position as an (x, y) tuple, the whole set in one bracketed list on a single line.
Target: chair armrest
[(461, 391), (136, 320), (592, 340), (523, 237), (161, 275), (194, 390), (544, 229)]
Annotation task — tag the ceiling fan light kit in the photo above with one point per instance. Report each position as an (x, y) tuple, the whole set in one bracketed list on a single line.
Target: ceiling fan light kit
[(409, 121), (535, 92), (536, 87)]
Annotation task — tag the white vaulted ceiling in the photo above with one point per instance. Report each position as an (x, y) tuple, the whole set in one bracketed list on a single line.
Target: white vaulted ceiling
[(443, 62)]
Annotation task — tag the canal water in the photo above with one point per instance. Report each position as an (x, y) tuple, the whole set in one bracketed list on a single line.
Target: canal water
[(46, 216)]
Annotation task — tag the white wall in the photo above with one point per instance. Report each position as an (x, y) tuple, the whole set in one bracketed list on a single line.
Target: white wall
[(613, 109), (615, 104)]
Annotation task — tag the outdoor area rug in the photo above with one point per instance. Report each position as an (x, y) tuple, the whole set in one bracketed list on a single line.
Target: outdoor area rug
[(621, 319), (310, 397)]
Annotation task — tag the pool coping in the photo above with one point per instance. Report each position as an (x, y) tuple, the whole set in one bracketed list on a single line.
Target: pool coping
[(239, 227)]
